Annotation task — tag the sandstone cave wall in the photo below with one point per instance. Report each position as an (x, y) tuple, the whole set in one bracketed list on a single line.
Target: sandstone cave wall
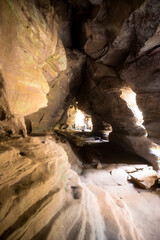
[(41, 72), (38, 79), (125, 65)]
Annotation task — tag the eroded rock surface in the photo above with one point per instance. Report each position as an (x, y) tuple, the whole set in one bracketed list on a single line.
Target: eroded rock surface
[(30, 52), (112, 73), (125, 80), (62, 90), (40, 194), (121, 73), (145, 178)]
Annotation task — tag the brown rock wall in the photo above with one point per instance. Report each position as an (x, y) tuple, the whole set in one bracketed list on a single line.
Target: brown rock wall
[(43, 199), (28, 38)]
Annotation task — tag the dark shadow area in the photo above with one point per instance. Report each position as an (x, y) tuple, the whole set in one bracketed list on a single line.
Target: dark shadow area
[(93, 149), (107, 153)]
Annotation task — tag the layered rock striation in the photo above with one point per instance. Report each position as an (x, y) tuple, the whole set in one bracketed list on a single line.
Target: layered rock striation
[(121, 86), (104, 54), (120, 76), (42, 198)]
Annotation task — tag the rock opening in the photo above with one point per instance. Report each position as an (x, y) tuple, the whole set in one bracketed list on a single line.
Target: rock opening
[(79, 119)]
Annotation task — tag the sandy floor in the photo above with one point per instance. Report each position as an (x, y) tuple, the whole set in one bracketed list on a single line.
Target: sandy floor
[(39, 192), (113, 177)]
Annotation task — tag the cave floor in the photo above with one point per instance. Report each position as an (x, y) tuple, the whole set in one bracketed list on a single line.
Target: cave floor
[(113, 176), (37, 162), (108, 166), (142, 204)]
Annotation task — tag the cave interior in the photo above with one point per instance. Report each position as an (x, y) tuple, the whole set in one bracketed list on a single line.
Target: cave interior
[(79, 119)]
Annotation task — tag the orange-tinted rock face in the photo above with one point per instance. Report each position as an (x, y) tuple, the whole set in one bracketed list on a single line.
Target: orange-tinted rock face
[(28, 39), (40, 76), (42, 197), (113, 74), (132, 55), (62, 90)]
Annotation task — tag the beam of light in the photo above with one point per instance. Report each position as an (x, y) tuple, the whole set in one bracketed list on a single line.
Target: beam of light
[(155, 151), (79, 120), (130, 98)]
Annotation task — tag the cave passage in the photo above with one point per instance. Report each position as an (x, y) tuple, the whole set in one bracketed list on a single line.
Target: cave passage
[(96, 155), (79, 120)]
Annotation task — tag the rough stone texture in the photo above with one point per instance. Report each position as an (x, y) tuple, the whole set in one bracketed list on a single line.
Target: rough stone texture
[(130, 63), (31, 55), (64, 21), (142, 68), (39, 193), (41, 198), (46, 76), (144, 178), (104, 25), (27, 39), (140, 145), (106, 95), (37, 77), (13, 124), (141, 202), (103, 91), (62, 90)]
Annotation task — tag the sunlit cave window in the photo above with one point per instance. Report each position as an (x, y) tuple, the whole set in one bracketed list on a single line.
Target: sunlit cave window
[(155, 150), (78, 120), (130, 98)]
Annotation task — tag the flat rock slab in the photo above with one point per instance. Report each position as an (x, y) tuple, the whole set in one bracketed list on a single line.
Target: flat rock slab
[(144, 178), (130, 169), (141, 166), (119, 176)]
